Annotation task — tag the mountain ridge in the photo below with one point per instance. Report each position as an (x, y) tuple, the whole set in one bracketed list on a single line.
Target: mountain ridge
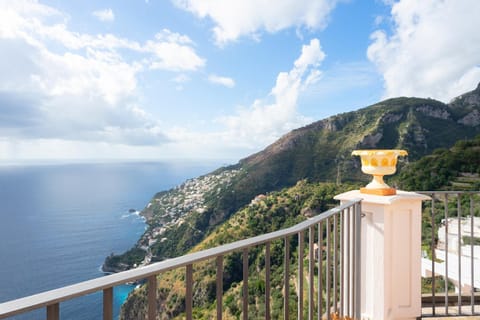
[(393, 123)]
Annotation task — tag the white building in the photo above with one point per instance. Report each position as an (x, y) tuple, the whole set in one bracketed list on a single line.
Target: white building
[(455, 249)]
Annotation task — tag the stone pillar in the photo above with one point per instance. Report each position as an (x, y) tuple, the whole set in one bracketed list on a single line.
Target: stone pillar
[(391, 254)]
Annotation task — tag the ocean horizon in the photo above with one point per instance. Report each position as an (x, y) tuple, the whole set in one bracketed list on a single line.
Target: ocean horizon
[(60, 220)]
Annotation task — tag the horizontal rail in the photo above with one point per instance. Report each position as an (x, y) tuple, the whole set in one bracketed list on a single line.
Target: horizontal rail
[(57, 296)]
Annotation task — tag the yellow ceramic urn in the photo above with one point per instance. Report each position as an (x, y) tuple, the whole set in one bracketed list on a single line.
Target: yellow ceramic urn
[(379, 163)]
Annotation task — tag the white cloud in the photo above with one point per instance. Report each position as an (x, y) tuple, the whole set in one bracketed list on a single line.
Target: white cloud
[(234, 19), (173, 52), (224, 81), (67, 94), (266, 120), (62, 85), (253, 127), (105, 15), (434, 50), (98, 73)]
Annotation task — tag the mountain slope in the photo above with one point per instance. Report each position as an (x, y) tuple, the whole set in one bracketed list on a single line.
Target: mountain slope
[(318, 152), (321, 151), (181, 218), (279, 210), (275, 211)]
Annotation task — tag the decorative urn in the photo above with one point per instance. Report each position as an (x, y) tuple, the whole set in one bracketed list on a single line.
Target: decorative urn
[(379, 163)]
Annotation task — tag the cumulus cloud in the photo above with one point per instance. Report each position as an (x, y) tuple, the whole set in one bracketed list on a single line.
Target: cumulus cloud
[(173, 52), (85, 89), (224, 81), (267, 119), (105, 15), (433, 50), (234, 19)]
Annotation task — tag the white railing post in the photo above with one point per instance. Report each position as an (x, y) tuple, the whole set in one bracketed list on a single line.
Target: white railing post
[(390, 254)]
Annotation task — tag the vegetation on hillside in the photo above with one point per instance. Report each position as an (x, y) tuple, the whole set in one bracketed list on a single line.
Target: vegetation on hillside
[(457, 168), (321, 154), (279, 210), (266, 213)]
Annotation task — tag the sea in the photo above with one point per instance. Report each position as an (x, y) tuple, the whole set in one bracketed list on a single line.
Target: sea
[(58, 222)]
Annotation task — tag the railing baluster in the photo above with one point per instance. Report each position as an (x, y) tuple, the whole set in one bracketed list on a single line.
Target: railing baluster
[(357, 251), (354, 257), (152, 297), (319, 270), (245, 284), (267, 281), (446, 252), (301, 238), (342, 261), (459, 252), (472, 273), (432, 248), (219, 277), (53, 312), (354, 261), (311, 270), (347, 264), (108, 304), (335, 263), (327, 270), (189, 291), (286, 279)]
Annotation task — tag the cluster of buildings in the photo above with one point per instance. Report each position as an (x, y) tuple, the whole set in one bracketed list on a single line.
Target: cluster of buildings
[(169, 209)]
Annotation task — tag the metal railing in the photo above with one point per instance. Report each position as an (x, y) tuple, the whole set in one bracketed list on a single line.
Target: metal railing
[(336, 233), (451, 253)]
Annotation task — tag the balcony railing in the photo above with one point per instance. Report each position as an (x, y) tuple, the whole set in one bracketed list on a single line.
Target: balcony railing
[(451, 254), (450, 266), (333, 246)]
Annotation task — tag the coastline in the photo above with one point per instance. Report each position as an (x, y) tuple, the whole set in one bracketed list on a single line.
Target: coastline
[(166, 212)]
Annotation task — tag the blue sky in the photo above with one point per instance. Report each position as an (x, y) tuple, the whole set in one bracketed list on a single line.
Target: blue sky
[(214, 79)]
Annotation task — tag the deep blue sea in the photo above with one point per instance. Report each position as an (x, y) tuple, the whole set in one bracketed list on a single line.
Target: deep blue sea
[(59, 222)]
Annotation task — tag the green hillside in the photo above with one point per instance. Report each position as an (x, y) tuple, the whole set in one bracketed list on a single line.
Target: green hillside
[(320, 153), (457, 168), (276, 211), (279, 210)]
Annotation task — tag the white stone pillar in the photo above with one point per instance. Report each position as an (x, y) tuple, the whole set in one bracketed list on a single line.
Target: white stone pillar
[(391, 254)]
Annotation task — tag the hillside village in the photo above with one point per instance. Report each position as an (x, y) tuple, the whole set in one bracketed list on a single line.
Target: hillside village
[(169, 209)]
